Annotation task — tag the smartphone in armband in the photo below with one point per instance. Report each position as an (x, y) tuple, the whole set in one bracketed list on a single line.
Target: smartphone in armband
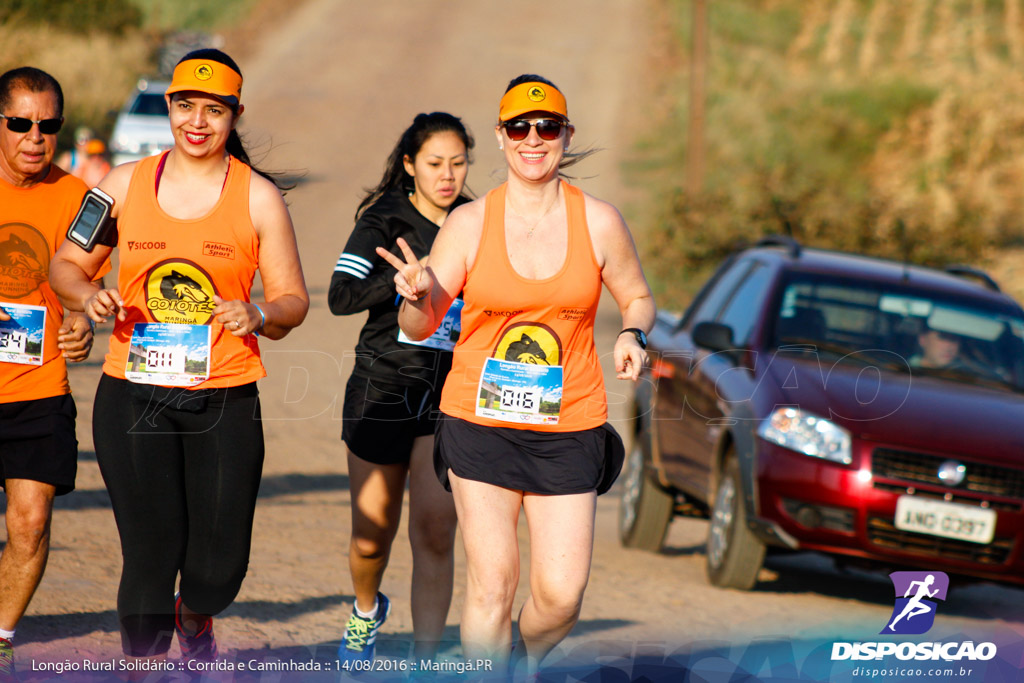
[(93, 224)]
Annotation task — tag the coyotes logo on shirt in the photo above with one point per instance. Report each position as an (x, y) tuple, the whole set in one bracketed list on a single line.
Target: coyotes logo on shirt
[(24, 260), (180, 291), (529, 342)]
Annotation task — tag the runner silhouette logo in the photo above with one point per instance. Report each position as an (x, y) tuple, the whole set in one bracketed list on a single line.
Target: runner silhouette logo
[(916, 595)]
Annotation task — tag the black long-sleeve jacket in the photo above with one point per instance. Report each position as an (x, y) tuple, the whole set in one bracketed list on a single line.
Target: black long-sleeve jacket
[(363, 281)]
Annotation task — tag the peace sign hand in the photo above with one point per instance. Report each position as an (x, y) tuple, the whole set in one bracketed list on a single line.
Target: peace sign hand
[(413, 281)]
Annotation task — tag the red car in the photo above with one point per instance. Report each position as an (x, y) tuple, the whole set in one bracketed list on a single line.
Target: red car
[(815, 400)]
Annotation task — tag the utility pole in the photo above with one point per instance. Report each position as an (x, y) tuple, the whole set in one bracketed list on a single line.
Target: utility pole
[(695, 160)]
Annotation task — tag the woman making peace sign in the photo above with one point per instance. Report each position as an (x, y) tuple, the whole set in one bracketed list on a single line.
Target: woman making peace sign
[(524, 404)]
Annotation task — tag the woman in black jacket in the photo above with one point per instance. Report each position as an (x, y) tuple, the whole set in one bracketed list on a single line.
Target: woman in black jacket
[(391, 399)]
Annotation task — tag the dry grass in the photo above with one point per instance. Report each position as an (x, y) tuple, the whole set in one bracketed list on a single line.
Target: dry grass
[(96, 71), (893, 127), (1006, 266), (956, 163)]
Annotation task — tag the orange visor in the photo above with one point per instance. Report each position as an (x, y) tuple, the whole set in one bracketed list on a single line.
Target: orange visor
[(208, 76), (527, 97)]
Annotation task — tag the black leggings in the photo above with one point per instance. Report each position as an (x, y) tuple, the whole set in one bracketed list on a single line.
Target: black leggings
[(183, 469)]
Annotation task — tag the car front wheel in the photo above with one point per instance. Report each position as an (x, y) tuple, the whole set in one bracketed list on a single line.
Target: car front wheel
[(734, 553), (645, 509)]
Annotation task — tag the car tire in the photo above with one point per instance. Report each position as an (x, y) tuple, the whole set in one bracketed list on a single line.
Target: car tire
[(645, 509), (734, 553)]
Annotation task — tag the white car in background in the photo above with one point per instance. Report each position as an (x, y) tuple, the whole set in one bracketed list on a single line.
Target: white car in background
[(142, 127)]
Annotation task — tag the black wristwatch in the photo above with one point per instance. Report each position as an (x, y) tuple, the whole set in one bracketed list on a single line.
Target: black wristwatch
[(641, 336)]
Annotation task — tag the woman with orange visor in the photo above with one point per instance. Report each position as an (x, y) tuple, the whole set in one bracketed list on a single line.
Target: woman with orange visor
[(524, 405), (176, 424)]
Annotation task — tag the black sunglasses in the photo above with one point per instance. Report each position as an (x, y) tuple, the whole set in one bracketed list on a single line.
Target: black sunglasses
[(547, 129), (16, 124)]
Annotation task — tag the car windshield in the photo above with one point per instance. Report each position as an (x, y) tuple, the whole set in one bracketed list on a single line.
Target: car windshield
[(149, 104), (909, 330)]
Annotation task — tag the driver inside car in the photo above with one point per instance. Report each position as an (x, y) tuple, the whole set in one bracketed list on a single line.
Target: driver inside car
[(943, 350), (938, 350)]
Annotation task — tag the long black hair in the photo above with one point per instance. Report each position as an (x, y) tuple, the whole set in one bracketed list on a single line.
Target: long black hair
[(570, 157), (235, 147), (423, 127)]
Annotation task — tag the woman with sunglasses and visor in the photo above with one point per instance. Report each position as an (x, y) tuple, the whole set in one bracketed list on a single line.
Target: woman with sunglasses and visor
[(176, 420), (391, 399), (524, 405)]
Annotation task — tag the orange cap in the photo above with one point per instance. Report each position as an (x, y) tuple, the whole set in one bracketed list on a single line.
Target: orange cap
[(527, 97), (208, 76)]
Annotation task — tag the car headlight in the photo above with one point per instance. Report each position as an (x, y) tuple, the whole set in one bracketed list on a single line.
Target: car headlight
[(808, 434)]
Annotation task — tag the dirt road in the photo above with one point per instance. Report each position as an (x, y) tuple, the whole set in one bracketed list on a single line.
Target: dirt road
[(328, 88)]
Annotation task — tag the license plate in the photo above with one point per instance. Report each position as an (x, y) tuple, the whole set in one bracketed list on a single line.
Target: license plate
[(949, 520)]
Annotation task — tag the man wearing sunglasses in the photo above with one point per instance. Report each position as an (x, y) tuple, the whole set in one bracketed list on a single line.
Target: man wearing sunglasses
[(38, 448)]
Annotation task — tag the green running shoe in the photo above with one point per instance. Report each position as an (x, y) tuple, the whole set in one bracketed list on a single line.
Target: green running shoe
[(361, 634), (6, 661)]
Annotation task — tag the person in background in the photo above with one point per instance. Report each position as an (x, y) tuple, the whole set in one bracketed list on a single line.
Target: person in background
[(38, 446), (176, 421), (525, 412), (95, 166), (72, 159), (391, 399)]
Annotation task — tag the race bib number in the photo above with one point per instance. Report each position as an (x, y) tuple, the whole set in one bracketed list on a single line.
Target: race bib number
[(522, 393), (169, 354), (22, 337), (446, 334)]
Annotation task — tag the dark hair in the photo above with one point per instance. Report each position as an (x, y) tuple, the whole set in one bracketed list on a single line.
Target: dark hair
[(33, 80), (214, 55), (530, 78), (569, 158), (423, 127), (235, 147)]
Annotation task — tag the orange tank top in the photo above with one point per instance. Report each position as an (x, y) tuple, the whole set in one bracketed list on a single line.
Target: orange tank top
[(170, 268), (32, 225), (526, 357)]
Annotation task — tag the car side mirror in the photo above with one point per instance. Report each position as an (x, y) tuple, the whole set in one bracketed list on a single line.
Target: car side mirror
[(713, 336)]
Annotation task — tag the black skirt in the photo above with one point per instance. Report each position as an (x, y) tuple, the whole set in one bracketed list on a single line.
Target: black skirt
[(548, 463)]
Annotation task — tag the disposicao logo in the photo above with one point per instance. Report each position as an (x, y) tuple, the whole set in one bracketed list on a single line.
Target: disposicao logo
[(916, 595), (913, 614)]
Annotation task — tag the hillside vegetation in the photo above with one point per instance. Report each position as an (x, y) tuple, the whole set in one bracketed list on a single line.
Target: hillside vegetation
[(98, 49), (889, 127)]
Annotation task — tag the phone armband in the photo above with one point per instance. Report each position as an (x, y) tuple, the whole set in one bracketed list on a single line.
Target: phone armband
[(93, 225)]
